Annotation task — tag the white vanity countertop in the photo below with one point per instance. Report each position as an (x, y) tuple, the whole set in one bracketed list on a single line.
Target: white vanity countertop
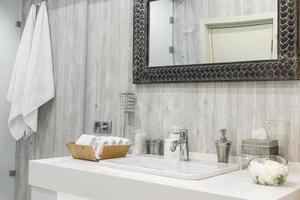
[(91, 180)]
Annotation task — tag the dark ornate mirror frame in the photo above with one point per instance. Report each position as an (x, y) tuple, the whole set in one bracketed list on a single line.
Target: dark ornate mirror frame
[(284, 68)]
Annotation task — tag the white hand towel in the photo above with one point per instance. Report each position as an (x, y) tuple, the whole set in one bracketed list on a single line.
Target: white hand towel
[(102, 141), (125, 141), (118, 140), (110, 141), (39, 85), (88, 140), (101, 144), (15, 95)]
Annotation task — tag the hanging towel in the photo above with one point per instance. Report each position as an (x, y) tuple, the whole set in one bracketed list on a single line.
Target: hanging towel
[(39, 85), (15, 94)]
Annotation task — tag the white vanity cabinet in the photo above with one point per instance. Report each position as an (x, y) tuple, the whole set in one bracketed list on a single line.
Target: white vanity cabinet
[(51, 179)]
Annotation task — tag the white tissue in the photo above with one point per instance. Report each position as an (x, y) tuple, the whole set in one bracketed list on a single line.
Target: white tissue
[(259, 134)]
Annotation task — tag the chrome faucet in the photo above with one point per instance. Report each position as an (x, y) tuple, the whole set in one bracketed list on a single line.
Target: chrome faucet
[(183, 142)]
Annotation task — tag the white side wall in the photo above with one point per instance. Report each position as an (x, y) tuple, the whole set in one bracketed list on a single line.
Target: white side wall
[(9, 37), (161, 32)]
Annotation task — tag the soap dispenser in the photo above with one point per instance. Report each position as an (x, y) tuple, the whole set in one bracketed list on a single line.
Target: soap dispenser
[(223, 147)]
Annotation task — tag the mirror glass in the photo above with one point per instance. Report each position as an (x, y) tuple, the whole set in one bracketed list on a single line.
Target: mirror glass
[(183, 32)]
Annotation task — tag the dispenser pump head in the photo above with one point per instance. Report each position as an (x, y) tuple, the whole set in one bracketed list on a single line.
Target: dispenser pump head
[(223, 139), (223, 135)]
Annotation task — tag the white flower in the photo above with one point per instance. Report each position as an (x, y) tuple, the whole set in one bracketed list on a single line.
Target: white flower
[(268, 173)]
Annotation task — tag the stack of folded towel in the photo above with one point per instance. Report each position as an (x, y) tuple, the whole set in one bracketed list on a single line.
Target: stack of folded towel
[(97, 143)]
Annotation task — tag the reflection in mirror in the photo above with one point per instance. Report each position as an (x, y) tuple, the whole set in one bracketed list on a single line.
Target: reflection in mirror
[(183, 32)]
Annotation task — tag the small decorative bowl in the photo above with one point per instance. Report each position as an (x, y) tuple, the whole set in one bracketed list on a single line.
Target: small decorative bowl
[(269, 170)]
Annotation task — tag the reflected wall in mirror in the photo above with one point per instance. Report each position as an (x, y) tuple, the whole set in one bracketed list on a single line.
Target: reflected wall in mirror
[(215, 40), (185, 32)]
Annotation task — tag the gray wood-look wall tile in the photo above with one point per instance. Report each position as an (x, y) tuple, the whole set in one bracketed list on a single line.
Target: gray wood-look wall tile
[(108, 61), (294, 137), (205, 108), (93, 39), (68, 31)]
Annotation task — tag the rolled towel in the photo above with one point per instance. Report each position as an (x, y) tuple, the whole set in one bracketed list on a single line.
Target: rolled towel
[(105, 138), (125, 141), (101, 144), (118, 140), (110, 140), (102, 141), (88, 140)]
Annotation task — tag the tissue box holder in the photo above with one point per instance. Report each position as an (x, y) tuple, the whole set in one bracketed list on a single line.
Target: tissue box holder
[(86, 152), (256, 147)]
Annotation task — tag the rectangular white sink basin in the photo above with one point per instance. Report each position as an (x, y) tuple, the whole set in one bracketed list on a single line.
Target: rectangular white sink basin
[(203, 167)]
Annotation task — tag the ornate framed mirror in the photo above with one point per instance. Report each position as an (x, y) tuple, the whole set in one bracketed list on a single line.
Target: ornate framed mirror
[(215, 40)]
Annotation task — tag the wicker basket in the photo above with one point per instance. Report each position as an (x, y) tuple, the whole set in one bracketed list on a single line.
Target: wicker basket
[(86, 152), (259, 147)]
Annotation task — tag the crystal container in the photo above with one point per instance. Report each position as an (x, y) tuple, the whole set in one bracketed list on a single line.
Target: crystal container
[(269, 170)]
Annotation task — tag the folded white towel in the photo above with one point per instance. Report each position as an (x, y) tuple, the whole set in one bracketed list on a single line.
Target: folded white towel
[(88, 140), (98, 143), (117, 140), (110, 141), (103, 141), (125, 141), (101, 144)]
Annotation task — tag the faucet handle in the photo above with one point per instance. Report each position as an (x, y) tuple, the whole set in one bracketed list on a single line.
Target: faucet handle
[(181, 132)]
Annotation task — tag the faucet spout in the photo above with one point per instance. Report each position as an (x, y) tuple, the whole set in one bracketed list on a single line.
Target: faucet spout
[(184, 145), (174, 145)]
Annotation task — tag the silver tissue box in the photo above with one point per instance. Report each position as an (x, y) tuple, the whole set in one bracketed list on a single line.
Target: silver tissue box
[(256, 147)]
